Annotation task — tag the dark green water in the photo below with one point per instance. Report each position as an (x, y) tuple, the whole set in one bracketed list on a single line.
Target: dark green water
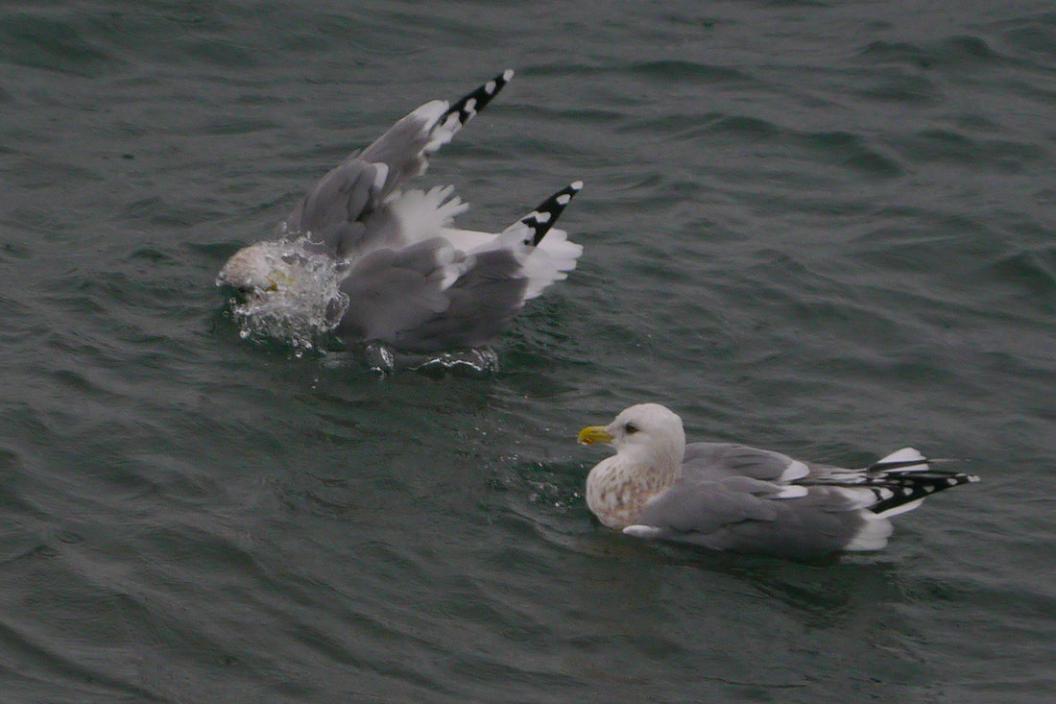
[(824, 228)]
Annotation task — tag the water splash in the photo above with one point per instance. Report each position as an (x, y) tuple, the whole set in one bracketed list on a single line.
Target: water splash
[(294, 296), (481, 361), (382, 358), (289, 292)]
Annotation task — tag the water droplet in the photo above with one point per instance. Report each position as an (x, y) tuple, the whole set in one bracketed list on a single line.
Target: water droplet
[(305, 301)]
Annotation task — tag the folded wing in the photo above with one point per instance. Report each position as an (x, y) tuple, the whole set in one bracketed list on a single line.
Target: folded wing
[(738, 498)]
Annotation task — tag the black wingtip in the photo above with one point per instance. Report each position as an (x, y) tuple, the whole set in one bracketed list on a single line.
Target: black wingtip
[(470, 104), (908, 487), (546, 213)]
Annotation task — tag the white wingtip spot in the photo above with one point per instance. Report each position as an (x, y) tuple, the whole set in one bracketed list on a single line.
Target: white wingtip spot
[(489, 87), (563, 199), (507, 74), (541, 217), (640, 531), (792, 492), (576, 185), (381, 173), (872, 535), (471, 105), (795, 470)]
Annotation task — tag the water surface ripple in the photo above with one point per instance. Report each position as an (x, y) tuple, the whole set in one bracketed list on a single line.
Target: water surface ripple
[(821, 227)]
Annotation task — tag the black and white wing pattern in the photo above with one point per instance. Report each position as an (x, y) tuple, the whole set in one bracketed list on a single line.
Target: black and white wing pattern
[(337, 210), (458, 290), (738, 498)]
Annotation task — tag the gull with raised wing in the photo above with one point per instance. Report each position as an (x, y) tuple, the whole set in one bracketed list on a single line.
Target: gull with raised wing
[(406, 276)]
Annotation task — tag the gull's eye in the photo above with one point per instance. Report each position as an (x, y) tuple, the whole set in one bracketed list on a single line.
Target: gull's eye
[(630, 428)]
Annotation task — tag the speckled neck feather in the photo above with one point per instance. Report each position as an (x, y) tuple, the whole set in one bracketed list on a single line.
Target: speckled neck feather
[(618, 487)]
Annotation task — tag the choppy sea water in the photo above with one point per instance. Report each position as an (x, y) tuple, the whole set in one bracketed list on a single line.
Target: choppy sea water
[(824, 228)]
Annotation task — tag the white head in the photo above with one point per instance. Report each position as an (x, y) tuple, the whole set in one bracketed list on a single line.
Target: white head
[(255, 270), (285, 291), (647, 433)]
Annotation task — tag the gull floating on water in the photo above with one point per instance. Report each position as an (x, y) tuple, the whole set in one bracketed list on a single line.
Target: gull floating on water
[(732, 497), (409, 278)]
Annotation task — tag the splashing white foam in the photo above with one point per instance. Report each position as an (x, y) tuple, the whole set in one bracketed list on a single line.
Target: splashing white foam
[(290, 293), (382, 358), (481, 360), (296, 300)]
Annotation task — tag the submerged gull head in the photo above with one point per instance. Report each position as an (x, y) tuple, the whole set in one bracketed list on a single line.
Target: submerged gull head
[(286, 291), (255, 270)]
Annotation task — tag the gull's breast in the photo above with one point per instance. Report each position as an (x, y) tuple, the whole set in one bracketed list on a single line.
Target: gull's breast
[(617, 497)]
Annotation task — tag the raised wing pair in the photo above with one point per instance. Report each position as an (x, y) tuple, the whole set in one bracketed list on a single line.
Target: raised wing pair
[(413, 280)]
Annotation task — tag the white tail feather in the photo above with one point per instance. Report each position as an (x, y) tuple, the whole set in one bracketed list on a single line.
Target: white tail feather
[(424, 214), (542, 265), (873, 534), (640, 531), (859, 497), (791, 492), (550, 261), (901, 508), (467, 240)]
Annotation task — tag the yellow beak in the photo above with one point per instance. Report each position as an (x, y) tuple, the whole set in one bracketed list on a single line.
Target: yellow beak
[(593, 434), (277, 279)]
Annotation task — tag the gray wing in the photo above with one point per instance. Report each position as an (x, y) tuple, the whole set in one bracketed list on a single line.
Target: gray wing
[(893, 485), (704, 507), (483, 301), (338, 211), (430, 297), (394, 290), (335, 209), (719, 460), (490, 291), (404, 149), (743, 499), (740, 514)]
